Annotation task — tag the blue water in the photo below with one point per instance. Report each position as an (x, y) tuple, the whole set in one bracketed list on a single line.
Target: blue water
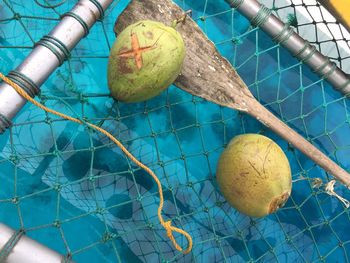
[(103, 194)]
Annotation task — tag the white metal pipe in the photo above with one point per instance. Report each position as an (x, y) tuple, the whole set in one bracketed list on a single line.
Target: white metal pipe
[(25, 249), (47, 55), (284, 34)]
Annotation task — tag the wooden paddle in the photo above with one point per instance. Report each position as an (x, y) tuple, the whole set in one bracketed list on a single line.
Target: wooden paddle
[(208, 75)]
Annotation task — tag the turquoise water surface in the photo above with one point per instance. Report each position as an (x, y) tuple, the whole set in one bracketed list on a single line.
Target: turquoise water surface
[(75, 192)]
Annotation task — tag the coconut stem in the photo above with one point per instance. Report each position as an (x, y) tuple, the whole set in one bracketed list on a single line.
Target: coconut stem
[(182, 19)]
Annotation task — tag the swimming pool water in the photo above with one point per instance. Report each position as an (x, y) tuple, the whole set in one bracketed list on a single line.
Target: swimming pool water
[(74, 191)]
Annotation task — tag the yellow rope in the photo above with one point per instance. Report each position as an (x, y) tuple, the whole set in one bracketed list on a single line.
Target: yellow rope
[(166, 224)]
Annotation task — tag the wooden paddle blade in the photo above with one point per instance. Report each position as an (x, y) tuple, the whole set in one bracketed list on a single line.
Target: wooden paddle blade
[(205, 72)]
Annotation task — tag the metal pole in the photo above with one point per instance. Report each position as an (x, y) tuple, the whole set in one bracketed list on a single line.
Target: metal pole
[(261, 16), (48, 54), (16, 247)]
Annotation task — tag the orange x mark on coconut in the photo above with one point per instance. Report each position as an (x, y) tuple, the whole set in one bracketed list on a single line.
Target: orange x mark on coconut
[(136, 51)]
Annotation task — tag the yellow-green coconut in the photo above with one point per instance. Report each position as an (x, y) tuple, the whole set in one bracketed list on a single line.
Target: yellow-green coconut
[(254, 175), (146, 58)]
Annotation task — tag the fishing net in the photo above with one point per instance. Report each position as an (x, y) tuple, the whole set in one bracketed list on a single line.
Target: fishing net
[(73, 190), (318, 26)]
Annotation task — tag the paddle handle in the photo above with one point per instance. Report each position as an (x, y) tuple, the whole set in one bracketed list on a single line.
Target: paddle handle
[(259, 112)]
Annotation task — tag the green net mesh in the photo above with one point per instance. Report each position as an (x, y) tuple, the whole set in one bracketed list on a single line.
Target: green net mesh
[(73, 190), (314, 23)]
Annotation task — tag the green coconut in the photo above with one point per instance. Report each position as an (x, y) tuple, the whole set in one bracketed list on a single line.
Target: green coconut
[(254, 175), (146, 58)]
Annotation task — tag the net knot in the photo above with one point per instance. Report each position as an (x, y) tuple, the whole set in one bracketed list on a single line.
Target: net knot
[(169, 232)]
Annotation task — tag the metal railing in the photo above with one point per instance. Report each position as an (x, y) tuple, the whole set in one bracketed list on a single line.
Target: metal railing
[(48, 54), (282, 33), (16, 247)]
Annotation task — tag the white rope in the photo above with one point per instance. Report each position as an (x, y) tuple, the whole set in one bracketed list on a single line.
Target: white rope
[(330, 190)]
